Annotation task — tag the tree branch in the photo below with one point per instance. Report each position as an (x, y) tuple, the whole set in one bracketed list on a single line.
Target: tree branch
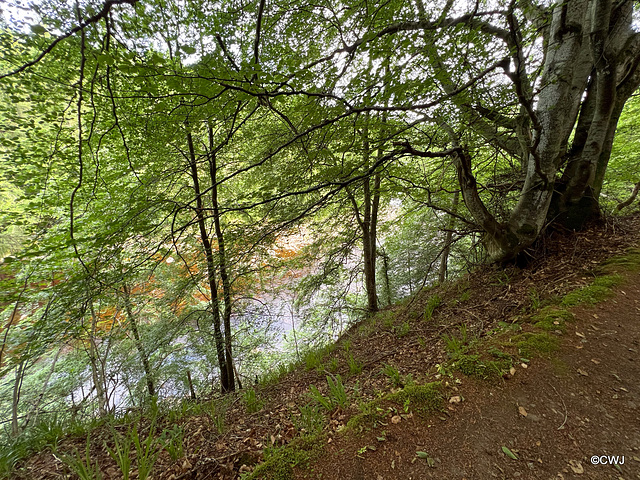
[(82, 25)]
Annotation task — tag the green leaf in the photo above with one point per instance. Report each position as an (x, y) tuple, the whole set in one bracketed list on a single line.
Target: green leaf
[(509, 453), (38, 29), (424, 455), (106, 58), (188, 50)]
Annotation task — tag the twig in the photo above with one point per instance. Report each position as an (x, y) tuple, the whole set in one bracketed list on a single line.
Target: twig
[(563, 404)]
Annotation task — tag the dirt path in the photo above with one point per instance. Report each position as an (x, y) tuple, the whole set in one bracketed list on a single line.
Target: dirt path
[(584, 402)]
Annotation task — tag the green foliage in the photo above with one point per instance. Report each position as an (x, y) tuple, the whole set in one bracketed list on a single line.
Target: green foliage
[(82, 465), (371, 414), (338, 396), (172, 440), (310, 420), (355, 366), (628, 262), (314, 359), (393, 374), (433, 303), (251, 401), (403, 329), (535, 299), (588, 295), (121, 452), (146, 451), (333, 365), (457, 344)]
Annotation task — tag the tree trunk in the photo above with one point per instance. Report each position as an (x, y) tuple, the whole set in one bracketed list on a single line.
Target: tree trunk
[(17, 387), (222, 260), (144, 358), (589, 72), (444, 260), (211, 271), (96, 371)]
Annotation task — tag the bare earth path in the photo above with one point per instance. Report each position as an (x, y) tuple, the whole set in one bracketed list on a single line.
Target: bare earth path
[(584, 402)]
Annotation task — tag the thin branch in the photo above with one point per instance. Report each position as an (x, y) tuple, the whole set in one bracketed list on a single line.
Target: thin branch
[(82, 25), (630, 200)]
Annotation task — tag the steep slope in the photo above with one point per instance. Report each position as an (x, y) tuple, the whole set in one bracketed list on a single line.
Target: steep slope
[(434, 387)]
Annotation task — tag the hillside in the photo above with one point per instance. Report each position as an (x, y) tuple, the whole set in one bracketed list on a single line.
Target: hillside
[(505, 373)]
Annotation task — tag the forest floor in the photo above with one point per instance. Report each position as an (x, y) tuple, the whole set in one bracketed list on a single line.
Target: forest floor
[(517, 374)]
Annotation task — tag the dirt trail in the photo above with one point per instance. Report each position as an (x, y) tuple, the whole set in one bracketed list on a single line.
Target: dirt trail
[(584, 402)]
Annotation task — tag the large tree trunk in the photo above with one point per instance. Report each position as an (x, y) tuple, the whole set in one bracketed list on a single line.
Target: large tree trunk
[(590, 70)]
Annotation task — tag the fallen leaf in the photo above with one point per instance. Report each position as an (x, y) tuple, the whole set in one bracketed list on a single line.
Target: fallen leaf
[(524, 365), (582, 372), (509, 453), (581, 335), (512, 370), (522, 411), (396, 419), (576, 466), (455, 399), (597, 362)]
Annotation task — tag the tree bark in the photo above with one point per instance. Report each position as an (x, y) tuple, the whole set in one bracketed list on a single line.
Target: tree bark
[(444, 260), (96, 371), (222, 260), (225, 384), (144, 358), (589, 72)]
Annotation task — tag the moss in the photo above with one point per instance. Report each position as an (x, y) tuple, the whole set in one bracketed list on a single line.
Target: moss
[(497, 353), (279, 463), (422, 399), (629, 262), (534, 344), (588, 295), (552, 319), (370, 414), (475, 366), (608, 281)]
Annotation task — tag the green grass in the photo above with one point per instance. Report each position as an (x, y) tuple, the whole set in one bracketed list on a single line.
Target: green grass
[(355, 365), (434, 302), (251, 401)]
